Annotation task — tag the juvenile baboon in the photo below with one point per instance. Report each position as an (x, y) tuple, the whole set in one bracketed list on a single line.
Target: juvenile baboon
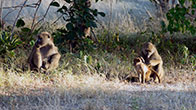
[(144, 71), (153, 59), (44, 53)]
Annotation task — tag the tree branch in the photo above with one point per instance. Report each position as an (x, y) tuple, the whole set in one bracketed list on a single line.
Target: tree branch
[(35, 14), (33, 5), (42, 17), (17, 18)]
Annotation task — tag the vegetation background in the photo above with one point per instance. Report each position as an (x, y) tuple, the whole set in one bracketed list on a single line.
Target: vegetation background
[(95, 72)]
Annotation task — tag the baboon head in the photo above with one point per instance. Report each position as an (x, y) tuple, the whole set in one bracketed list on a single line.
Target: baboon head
[(138, 60), (148, 49), (43, 39)]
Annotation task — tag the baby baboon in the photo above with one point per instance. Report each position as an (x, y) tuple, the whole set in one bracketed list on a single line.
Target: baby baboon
[(141, 69), (44, 54), (153, 59), (144, 71)]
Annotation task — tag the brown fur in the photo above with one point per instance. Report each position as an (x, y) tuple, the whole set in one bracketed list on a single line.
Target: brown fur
[(44, 53), (153, 59), (144, 71)]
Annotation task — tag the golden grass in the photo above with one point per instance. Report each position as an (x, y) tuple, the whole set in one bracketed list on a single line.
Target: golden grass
[(79, 85), (62, 90)]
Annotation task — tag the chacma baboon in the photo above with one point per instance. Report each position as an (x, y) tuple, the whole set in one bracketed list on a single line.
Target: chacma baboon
[(153, 59), (44, 53), (144, 71)]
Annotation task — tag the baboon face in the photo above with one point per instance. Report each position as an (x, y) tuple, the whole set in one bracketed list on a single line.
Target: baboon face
[(149, 49), (43, 39), (136, 60)]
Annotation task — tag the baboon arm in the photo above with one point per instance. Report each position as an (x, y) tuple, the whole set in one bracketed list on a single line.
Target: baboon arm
[(154, 62), (31, 55), (37, 60)]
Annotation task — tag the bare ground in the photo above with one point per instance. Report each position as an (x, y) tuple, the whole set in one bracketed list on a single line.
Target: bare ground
[(177, 92)]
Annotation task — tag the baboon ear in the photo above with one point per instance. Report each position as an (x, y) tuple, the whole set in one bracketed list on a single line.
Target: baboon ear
[(49, 36)]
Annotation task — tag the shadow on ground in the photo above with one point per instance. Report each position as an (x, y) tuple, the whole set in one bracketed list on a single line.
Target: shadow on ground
[(129, 97)]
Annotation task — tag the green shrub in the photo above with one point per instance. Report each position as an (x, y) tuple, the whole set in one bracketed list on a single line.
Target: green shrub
[(8, 43), (78, 16)]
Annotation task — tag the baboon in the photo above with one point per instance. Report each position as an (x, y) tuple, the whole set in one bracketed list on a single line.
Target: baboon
[(153, 59), (44, 53), (144, 71)]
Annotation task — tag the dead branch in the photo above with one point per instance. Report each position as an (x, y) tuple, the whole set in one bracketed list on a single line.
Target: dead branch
[(35, 14), (33, 5), (8, 14), (57, 19), (41, 18), (17, 18)]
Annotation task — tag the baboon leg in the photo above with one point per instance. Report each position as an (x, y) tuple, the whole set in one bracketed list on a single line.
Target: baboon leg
[(154, 62), (143, 77), (52, 61), (148, 75), (156, 75), (140, 77)]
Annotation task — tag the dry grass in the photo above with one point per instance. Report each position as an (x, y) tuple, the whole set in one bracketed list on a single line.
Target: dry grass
[(65, 89), (79, 85)]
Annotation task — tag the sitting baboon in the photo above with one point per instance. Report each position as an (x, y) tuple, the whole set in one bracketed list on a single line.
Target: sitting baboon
[(144, 71), (153, 59), (44, 54)]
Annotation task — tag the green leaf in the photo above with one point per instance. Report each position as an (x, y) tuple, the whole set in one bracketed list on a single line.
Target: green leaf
[(62, 10), (193, 12), (102, 14), (32, 43), (71, 35), (20, 23), (18, 42), (93, 24), (95, 12), (64, 7), (56, 4), (182, 2), (25, 29), (12, 53), (69, 26)]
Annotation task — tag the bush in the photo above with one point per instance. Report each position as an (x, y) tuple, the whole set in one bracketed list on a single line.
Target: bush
[(8, 43)]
